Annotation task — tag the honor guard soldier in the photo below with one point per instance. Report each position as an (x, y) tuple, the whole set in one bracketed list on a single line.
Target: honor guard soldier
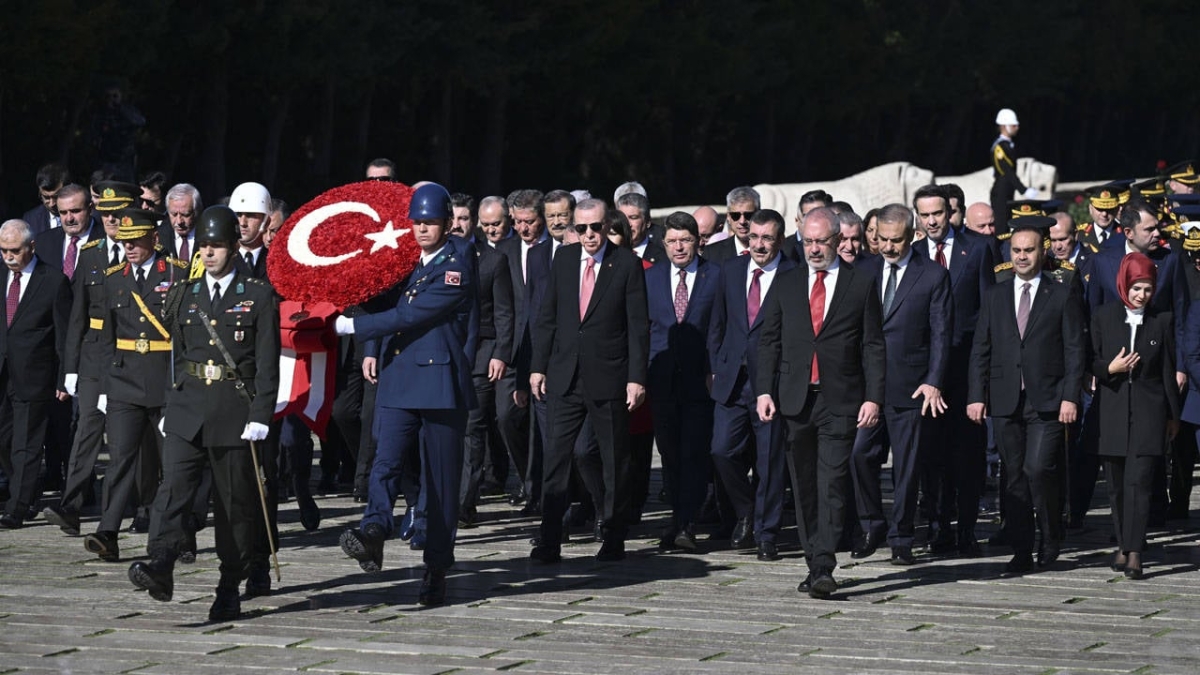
[(134, 372), (86, 353), (425, 391), (1004, 165), (224, 329)]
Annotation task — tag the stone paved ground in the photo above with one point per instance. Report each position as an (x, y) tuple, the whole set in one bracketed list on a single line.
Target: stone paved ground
[(63, 611)]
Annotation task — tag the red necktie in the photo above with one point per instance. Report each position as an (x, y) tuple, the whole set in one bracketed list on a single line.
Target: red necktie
[(14, 296), (681, 297), (816, 308), (941, 254), (70, 258), (745, 252), (585, 288), (754, 297)]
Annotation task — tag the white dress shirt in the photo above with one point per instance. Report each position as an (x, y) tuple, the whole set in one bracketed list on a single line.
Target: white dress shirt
[(25, 273), (947, 247), (689, 280), (768, 276), (830, 282), (1018, 282), (901, 267)]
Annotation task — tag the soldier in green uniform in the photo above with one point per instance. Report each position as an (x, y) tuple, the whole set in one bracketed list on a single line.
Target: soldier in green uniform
[(224, 328), (134, 372), (85, 351)]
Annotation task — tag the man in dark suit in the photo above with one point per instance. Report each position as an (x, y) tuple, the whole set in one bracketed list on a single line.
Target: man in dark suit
[(741, 440), (917, 313), (636, 208), (590, 352), (954, 460), (214, 413), (32, 341), (44, 217), (1027, 373), (740, 204), (252, 204), (821, 357), (681, 291), (177, 234), (813, 199), (494, 351), (424, 391)]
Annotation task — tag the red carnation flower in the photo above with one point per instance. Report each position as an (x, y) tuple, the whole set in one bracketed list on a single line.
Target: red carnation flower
[(1160, 164)]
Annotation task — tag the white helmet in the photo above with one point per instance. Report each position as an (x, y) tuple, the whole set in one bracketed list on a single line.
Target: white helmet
[(250, 198), (1007, 117)]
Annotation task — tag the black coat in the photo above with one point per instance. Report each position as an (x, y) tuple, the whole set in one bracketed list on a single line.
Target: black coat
[(495, 301), (1134, 408), (31, 349)]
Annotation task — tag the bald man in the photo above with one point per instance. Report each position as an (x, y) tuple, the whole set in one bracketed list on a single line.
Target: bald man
[(1064, 244), (706, 220), (981, 219)]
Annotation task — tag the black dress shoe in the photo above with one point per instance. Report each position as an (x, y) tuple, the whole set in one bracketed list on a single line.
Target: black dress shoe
[(767, 551), (1048, 554), (310, 513), (67, 521), (360, 497), (1119, 562), (944, 542), (433, 588), (258, 583), (822, 585), (227, 606), (365, 546), (870, 544), (141, 523), (517, 498), (968, 547), (902, 555), (32, 512), (104, 545), (10, 522), (1133, 566), (666, 542), (611, 551), (743, 534), (685, 539), (806, 585), (545, 554), (1021, 563), (155, 577)]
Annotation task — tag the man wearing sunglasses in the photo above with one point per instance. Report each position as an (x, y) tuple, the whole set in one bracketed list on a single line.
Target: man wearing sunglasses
[(740, 204), (590, 349)]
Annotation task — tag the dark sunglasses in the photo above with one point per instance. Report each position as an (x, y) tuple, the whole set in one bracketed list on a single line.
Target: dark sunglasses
[(738, 215), (596, 227)]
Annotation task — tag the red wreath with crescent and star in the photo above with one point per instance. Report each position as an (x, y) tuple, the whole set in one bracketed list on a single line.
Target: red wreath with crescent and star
[(342, 248)]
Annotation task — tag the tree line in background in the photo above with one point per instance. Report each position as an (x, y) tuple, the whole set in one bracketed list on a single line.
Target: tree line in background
[(691, 97)]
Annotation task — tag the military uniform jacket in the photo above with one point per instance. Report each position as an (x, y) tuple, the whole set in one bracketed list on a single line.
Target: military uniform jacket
[(246, 318), (1004, 169), (85, 353), (425, 356), (139, 375)]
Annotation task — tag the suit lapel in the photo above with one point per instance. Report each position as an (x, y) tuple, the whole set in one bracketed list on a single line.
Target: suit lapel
[(958, 262), (31, 290), (698, 286), (916, 267), (845, 277), (1038, 302), (604, 274)]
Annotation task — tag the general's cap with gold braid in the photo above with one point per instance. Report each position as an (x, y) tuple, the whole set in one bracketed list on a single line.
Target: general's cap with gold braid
[(1027, 207), (1184, 172), (1150, 189), (113, 195), (1104, 197), (1124, 191), (135, 224), (1189, 222)]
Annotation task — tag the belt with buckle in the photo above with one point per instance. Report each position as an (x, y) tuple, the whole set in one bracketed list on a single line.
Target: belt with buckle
[(143, 346), (209, 372)]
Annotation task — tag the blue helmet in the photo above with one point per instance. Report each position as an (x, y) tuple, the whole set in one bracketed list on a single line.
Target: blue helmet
[(428, 202)]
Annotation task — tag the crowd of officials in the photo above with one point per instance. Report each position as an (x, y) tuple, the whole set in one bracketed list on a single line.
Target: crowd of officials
[(551, 341)]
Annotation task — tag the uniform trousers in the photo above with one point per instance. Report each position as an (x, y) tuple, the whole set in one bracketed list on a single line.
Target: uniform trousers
[(1031, 447), (133, 465), (237, 512), (89, 440), (1129, 483), (437, 435), (818, 454)]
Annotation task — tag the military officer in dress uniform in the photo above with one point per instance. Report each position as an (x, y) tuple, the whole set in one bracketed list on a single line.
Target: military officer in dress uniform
[(86, 352), (1103, 203), (425, 390), (224, 329), (1004, 167), (1182, 178), (134, 372)]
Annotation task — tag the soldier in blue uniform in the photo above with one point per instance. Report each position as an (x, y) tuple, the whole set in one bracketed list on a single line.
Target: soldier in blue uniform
[(425, 352)]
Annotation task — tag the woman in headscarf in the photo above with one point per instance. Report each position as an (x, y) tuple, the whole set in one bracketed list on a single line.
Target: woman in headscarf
[(1134, 365)]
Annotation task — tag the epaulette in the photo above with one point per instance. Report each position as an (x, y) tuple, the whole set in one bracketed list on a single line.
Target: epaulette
[(158, 247), (91, 244), (1066, 265), (1004, 237), (1083, 227), (115, 268), (181, 264), (1003, 266), (255, 280)]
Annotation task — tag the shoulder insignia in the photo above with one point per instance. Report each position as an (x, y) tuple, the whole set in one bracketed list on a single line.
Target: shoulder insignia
[(158, 247), (1066, 265), (181, 264), (1083, 227), (91, 244), (1004, 237), (1003, 266), (115, 268)]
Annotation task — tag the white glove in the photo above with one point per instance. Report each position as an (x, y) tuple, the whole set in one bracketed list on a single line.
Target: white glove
[(343, 325), (255, 431), (70, 382), (1031, 193), (102, 404), (161, 422)]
